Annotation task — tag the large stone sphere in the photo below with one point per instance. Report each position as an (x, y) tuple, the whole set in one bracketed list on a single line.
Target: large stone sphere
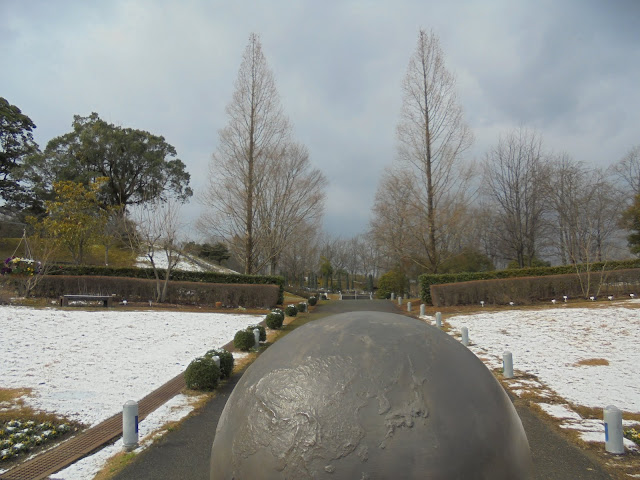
[(369, 395)]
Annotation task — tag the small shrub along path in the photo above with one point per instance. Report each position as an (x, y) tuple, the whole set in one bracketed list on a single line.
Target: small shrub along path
[(185, 451)]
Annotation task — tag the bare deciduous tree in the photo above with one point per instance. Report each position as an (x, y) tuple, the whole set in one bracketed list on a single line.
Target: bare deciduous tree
[(432, 136), (393, 217), (291, 197), (514, 178), (628, 170), (256, 132), (157, 239), (301, 256), (263, 191)]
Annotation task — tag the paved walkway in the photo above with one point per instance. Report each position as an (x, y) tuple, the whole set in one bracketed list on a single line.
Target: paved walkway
[(185, 452)]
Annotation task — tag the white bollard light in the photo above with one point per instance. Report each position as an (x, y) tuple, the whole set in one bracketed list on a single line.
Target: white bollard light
[(613, 430), (408, 306), (130, 425), (399, 300), (216, 360), (465, 336), (370, 296), (393, 296), (507, 365), (438, 319), (256, 336), (422, 310)]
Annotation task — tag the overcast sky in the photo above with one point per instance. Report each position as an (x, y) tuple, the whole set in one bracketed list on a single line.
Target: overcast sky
[(570, 69)]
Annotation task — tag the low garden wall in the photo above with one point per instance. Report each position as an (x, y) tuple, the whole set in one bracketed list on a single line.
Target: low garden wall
[(142, 290), (528, 290)]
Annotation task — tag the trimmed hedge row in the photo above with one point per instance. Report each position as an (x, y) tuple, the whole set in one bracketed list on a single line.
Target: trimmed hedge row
[(176, 275), (527, 290), (141, 290), (427, 280)]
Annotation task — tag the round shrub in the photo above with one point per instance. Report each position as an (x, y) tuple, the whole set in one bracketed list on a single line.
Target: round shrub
[(226, 361), (278, 311), (291, 310), (274, 320), (302, 307), (263, 331), (313, 301), (244, 340), (202, 374)]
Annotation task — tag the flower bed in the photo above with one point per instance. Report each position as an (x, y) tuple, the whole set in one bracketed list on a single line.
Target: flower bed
[(633, 435), (18, 437)]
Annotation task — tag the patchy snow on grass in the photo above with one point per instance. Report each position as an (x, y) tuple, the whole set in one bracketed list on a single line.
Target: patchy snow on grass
[(160, 259), (587, 356), (86, 364), (185, 263)]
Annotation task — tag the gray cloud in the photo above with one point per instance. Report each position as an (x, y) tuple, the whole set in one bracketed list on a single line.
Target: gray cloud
[(567, 69)]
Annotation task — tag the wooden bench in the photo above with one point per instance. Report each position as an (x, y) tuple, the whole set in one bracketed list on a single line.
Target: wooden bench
[(107, 300)]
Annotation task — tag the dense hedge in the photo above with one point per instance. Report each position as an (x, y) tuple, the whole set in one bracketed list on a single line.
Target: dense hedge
[(176, 275), (527, 290), (142, 290), (427, 280)]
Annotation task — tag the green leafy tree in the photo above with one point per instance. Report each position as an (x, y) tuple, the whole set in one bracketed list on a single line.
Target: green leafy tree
[(393, 281), (370, 283), (529, 263), (16, 144), (139, 167), (631, 221), (217, 252), (75, 218), (326, 270), (468, 260)]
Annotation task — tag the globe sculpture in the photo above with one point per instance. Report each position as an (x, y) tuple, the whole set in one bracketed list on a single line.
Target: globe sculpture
[(369, 395)]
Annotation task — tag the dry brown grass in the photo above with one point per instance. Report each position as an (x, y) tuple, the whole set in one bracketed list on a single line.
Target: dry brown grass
[(115, 465), (12, 407), (10, 395), (592, 362), (291, 298)]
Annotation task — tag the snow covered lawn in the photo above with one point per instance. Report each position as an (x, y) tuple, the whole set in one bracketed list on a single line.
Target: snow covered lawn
[(86, 364), (587, 356)]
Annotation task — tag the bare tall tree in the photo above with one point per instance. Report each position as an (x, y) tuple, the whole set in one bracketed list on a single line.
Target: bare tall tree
[(514, 179), (628, 170), (256, 132), (393, 218), (584, 211), (290, 198), (432, 136), (301, 257)]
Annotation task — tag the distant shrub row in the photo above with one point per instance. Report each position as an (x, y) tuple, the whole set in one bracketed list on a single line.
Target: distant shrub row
[(427, 280), (142, 290), (176, 275), (527, 290)]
